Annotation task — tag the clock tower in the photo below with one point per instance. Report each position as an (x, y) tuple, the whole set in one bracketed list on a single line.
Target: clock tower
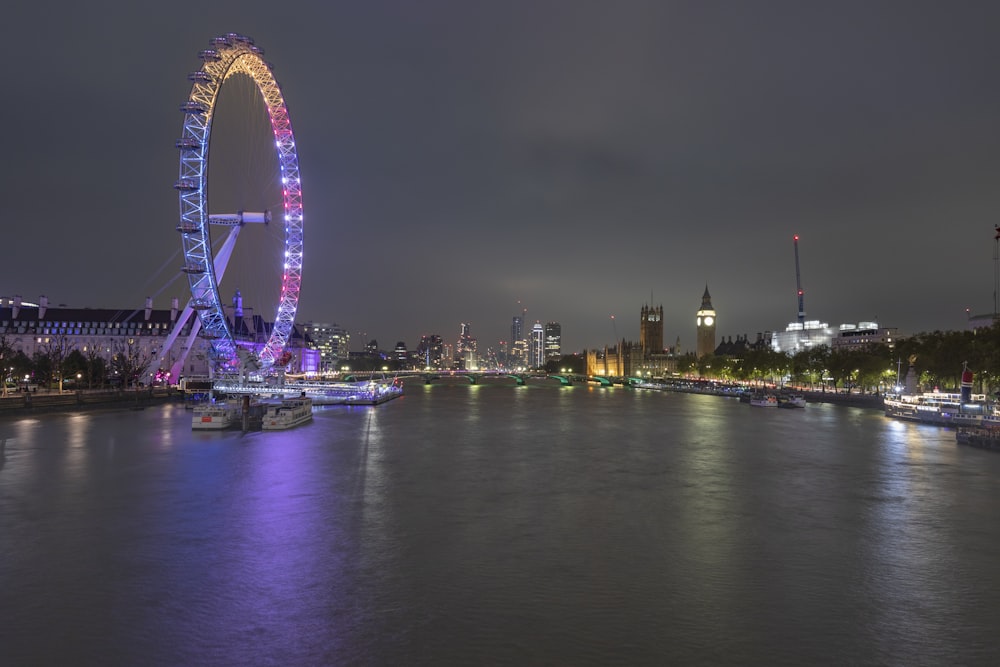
[(705, 321)]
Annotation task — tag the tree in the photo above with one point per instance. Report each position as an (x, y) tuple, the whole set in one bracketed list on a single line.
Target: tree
[(55, 350), (129, 360), (97, 365), (6, 353)]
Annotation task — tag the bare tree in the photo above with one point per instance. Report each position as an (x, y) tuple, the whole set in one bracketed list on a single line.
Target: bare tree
[(97, 365), (130, 360), (56, 349), (6, 352)]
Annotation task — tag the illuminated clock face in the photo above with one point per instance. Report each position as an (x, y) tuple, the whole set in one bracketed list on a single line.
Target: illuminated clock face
[(698, 321), (709, 320)]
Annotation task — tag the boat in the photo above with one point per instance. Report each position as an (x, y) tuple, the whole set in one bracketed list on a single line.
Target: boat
[(943, 409), (939, 408), (214, 417), (791, 401), (764, 400), (287, 413)]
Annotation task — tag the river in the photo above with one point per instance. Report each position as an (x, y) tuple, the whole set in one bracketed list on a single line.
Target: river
[(500, 525)]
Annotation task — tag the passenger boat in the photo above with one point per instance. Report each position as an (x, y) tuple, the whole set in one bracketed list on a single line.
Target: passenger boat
[(287, 413), (964, 409), (938, 408), (764, 400), (214, 417)]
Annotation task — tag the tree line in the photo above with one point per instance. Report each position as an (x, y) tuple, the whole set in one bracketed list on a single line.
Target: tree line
[(937, 358), (60, 362)]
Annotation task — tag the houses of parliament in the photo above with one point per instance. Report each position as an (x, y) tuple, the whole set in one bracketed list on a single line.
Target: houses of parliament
[(649, 356)]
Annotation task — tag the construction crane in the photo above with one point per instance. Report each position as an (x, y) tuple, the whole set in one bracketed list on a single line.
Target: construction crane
[(798, 281)]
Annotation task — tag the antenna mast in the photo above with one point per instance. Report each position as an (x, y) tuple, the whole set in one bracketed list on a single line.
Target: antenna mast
[(798, 281)]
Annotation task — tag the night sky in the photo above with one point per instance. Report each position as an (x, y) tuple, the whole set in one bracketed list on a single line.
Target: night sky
[(462, 160)]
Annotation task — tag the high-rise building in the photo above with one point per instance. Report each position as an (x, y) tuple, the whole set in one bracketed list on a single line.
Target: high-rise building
[(332, 341), (705, 323), (518, 343), (553, 341), (651, 330), (430, 349), (537, 345), (466, 348)]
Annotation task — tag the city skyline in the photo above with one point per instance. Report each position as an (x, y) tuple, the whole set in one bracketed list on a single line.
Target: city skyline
[(462, 163)]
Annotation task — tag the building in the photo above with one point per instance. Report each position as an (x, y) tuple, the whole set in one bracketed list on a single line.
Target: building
[(799, 336), (331, 340), (622, 360), (466, 348), (537, 345), (553, 341), (518, 343), (137, 338), (651, 330), (647, 359), (430, 349), (863, 335), (705, 324)]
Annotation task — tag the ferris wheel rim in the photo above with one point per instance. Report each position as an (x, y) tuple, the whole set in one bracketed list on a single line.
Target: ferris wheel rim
[(234, 54)]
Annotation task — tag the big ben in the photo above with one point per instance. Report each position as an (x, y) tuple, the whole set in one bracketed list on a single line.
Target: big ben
[(705, 321)]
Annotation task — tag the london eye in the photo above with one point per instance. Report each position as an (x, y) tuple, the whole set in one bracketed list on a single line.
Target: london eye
[(230, 58)]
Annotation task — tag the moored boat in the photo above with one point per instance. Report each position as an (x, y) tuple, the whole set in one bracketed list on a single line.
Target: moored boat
[(764, 401), (938, 408), (943, 409), (287, 413), (214, 417), (791, 401)]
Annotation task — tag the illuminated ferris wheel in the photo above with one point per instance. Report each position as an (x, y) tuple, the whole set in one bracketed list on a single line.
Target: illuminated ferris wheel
[(229, 55)]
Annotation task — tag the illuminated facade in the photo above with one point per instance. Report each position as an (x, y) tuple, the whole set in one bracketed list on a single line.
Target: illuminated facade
[(332, 341), (518, 342), (140, 333), (553, 341), (467, 347), (430, 350), (799, 336), (705, 324), (537, 345)]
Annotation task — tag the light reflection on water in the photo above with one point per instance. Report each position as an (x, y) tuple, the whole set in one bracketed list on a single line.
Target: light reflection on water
[(500, 525)]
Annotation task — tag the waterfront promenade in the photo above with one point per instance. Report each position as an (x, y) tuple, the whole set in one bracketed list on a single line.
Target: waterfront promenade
[(18, 404)]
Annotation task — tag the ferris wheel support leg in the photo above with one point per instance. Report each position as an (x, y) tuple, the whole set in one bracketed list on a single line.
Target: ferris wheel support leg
[(168, 344), (178, 367), (225, 252), (220, 262)]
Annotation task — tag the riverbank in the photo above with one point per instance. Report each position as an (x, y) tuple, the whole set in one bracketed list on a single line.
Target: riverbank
[(854, 399), (27, 403)]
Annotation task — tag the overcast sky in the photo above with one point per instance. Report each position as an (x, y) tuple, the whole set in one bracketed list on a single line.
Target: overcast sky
[(462, 160)]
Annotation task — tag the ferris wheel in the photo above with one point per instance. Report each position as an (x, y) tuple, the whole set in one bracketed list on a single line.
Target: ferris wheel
[(229, 55)]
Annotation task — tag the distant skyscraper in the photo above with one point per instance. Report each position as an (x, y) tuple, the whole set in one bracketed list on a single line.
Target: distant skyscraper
[(705, 322), (466, 347), (518, 343), (537, 345), (553, 341), (430, 349)]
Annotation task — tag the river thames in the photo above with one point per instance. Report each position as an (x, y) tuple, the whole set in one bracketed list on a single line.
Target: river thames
[(500, 525)]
